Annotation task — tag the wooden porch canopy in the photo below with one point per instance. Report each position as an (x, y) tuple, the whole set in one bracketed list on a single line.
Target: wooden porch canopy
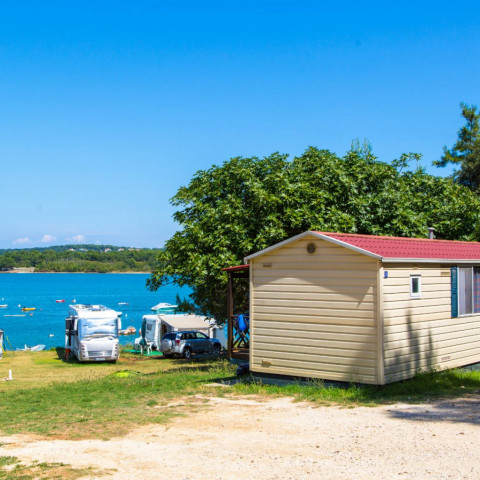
[(238, 341)]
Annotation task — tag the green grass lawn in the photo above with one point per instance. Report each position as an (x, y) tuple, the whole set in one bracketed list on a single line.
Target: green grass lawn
[(70, 400)]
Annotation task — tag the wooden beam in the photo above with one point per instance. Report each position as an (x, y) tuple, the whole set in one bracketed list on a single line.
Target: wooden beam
[(230, 315)]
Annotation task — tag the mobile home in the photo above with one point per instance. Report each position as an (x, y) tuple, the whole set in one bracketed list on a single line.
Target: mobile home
[(363, 308), (91, 333)]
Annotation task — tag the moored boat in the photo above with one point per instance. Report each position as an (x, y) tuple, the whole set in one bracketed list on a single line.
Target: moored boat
[(163, 308), (35, 348), (28, 309)]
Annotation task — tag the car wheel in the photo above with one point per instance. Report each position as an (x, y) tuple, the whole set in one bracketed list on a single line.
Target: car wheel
[(216, 349), (187, 353)]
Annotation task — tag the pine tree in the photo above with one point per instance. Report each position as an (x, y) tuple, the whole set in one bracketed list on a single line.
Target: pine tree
[(466, 150)]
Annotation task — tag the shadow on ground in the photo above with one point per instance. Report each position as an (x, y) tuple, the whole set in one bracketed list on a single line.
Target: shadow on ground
[(462, 410)]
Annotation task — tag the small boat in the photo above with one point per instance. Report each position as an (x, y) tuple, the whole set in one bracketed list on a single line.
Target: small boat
[(164, 307), (60, 301), (28, 309), (19, 315), (35, 348), (4, 305), (123, 303), (128, 331)]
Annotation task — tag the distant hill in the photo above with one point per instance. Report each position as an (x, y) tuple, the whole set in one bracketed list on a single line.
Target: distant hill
[(79, 258), (76, 247)]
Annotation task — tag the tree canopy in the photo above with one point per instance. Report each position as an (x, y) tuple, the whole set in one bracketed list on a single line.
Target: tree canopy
[(247, 204), (466, 151)]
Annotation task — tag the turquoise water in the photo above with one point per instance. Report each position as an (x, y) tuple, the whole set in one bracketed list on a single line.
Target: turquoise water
[(40, 290)]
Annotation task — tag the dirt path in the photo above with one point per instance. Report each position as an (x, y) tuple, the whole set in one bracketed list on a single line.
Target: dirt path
[(278, 439)]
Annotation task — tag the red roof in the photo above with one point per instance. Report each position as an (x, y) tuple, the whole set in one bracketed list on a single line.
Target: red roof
[(236, 267), (411, 248)]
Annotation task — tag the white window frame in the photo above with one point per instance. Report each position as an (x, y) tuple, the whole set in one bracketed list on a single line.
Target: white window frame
[(419, 293)]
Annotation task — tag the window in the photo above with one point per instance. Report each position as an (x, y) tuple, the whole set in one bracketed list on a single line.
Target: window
[(468, 290), (415, 286), (201, 336)]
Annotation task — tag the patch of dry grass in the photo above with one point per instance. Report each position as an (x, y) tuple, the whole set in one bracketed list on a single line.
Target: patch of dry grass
[(12, 469)]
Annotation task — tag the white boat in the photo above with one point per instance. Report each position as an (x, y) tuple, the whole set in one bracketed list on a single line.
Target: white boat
[(4, 305), (35, 348), (18, 315), (164, 307)]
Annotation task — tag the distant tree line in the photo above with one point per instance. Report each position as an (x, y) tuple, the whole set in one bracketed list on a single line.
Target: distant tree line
[(69, 247), (64, 260)]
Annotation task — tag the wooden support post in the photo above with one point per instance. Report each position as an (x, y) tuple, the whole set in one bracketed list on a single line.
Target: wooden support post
[(230, 316)]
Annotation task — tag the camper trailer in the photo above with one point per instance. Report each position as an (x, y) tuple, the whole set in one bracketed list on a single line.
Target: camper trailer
[(154, 327), (91, 333)]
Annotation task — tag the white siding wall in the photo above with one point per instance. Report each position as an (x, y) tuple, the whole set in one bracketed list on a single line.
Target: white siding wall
[(313, 315), (420, 333)]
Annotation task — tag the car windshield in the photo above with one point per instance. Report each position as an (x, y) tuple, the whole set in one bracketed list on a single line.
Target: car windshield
[(98, 327)]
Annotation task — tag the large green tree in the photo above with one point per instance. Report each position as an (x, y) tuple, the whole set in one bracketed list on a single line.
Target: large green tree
[(466, 151), (247, 204)]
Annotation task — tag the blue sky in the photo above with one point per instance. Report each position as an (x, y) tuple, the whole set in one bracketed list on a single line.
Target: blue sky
[(107, 108)]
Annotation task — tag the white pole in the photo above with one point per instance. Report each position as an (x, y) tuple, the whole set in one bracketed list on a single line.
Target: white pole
[(10, 375)]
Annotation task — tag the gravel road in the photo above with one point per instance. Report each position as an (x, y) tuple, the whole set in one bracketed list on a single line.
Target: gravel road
[(249, 438)]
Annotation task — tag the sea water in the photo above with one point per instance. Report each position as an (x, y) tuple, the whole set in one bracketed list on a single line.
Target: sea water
[(46, 325)]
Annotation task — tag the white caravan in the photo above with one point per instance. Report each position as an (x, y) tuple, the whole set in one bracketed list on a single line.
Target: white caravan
[(91, 333), (154, 327)]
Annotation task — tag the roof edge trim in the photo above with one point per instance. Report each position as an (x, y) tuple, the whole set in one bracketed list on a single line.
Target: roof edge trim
[(317, 235), (453, 261), (280, 244), (341, 243)]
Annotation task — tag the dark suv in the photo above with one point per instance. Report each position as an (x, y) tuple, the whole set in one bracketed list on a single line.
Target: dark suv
[(188, 343)]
